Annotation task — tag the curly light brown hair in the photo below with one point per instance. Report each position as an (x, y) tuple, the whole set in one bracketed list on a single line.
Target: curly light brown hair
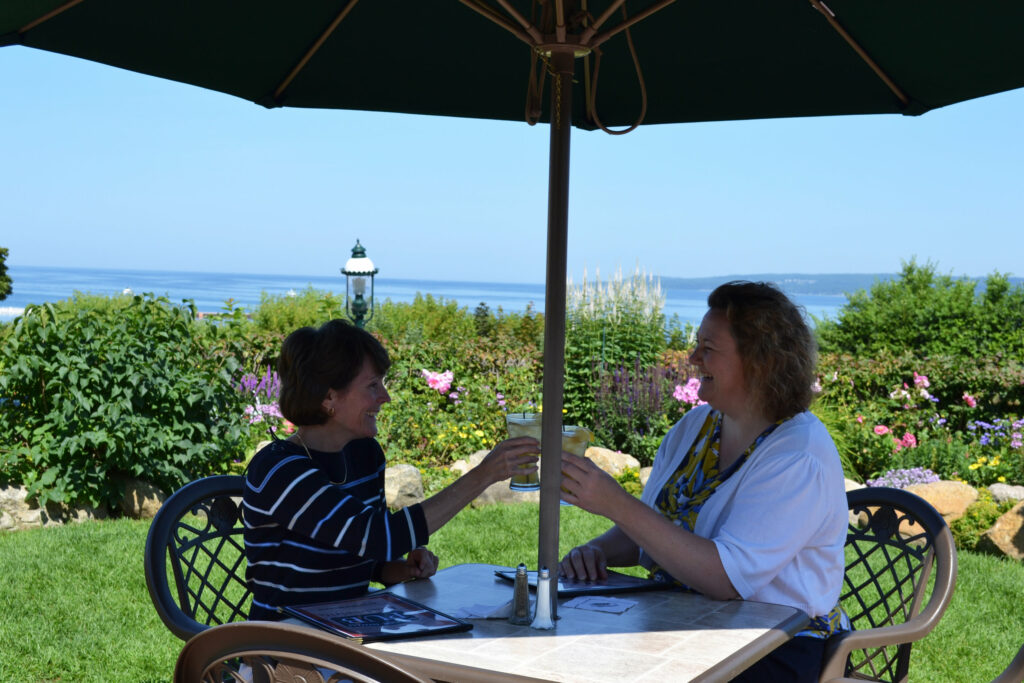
[(776, 347)]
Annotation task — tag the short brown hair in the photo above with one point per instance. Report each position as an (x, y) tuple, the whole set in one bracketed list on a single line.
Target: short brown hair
[(775, 345), (315, 360)]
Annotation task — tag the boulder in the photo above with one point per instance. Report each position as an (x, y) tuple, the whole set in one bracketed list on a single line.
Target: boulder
[(463, 466), (645, 474), (499, 492), (141, 499), (950, 498), (1004, 492), (855, 519), (403, 486), (612, 462), (1006, 536), (17, 513)]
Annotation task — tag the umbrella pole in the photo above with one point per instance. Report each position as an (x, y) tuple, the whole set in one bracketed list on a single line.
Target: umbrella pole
[(562, 65)]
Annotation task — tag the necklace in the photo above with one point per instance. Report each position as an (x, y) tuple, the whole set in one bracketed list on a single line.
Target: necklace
[(343, 460)]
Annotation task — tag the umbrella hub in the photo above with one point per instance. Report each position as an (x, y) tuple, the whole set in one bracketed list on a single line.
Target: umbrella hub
[(549, 47)]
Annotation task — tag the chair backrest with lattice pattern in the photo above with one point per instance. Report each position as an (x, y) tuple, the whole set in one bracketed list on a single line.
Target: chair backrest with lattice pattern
[(895, 541), (195, 542)]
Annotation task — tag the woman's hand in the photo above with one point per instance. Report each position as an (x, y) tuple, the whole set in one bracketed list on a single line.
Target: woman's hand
[(584, 562), (587, 486), (420, 563), (511, 456)]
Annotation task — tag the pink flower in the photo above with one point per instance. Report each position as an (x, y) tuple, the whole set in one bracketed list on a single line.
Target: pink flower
[(441, 381), (816, 387), (881, 429), (921, 381), (860, 419), (897, 445), (909, 440), (688, 393), (970, 400)]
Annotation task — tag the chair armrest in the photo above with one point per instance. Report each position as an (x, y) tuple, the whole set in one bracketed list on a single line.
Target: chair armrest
[(1013, 673), (839, 646)]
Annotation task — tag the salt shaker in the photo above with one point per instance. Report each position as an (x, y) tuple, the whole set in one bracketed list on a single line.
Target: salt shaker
[(542, 617), (520, 598)]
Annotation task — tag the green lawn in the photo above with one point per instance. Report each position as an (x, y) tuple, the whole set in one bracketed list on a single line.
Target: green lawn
[(75, 608)]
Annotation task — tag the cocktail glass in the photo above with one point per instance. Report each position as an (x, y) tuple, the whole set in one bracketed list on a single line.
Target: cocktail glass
[(575, 440), (524, 424)]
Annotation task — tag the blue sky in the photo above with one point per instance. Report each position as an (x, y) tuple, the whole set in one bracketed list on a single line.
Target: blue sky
[(106, 168)]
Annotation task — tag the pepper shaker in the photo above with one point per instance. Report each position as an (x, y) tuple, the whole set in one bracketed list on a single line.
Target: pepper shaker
[(542, 616), (520, 598)]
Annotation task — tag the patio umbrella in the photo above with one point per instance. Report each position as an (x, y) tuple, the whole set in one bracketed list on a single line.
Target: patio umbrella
[(584, 63)]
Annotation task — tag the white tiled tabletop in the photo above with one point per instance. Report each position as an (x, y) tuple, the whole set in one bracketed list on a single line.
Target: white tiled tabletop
[(666, 636)]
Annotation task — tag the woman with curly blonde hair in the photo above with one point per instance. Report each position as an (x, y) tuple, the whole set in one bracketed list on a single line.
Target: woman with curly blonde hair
[(746, 498)]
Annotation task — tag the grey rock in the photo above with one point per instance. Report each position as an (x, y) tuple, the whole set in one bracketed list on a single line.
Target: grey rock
[(403, 486), (141, 499), (1004, 492), (612, 462), (645, 474)]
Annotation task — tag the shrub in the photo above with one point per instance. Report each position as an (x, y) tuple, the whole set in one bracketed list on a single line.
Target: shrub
[(630, 480), (635, 407), (977, 519), (283, 314), (99, 389), (930, 315), (5, 279), (934, 400), (490, 373), (620, 324)]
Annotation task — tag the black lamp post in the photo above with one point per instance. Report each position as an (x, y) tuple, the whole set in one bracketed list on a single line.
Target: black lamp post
[(357, 271)]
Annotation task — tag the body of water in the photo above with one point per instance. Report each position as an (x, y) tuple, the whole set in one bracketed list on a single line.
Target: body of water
[(210, 291)]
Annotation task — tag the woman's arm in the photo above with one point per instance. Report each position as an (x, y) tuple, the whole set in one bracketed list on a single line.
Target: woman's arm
[(500, 464), (687, 557)]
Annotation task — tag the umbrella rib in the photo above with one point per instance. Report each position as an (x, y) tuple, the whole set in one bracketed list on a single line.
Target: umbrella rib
[(594, 27), (49, 15), (312, 50), (586, 36), (830, 16), (529, 33)]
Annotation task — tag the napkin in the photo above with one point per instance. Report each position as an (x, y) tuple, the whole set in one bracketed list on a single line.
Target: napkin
[(601, 603), (478, 611)]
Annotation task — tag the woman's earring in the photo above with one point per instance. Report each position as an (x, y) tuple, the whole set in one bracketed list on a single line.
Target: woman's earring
[(330, 411)]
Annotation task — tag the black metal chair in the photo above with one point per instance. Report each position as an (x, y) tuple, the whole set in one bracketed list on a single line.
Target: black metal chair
[(891, 554), (195, 542)]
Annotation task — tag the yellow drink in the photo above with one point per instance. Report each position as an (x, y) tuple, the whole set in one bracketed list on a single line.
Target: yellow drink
[(575, 440), (524, 424)]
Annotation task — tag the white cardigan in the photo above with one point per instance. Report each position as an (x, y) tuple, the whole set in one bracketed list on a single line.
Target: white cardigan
[(780, 521)]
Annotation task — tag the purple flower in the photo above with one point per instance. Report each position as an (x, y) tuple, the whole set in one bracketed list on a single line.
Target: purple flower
[(903, 478)]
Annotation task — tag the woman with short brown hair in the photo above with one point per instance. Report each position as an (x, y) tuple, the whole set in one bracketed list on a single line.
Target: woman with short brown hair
[(317, 527)]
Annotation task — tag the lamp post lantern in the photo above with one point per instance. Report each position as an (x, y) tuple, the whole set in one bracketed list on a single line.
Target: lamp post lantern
[(357, 271)]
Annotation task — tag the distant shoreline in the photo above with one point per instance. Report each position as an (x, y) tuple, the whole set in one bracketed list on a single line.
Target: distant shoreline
[(822, 295)]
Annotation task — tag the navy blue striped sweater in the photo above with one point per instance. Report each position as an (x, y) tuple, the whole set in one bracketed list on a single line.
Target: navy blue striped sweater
[(317, 526)]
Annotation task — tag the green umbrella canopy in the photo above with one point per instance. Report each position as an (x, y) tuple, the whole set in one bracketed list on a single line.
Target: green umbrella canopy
[(568, 62), (700, 60)]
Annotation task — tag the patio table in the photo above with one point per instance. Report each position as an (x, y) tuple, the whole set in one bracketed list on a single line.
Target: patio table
[(667, 636)]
